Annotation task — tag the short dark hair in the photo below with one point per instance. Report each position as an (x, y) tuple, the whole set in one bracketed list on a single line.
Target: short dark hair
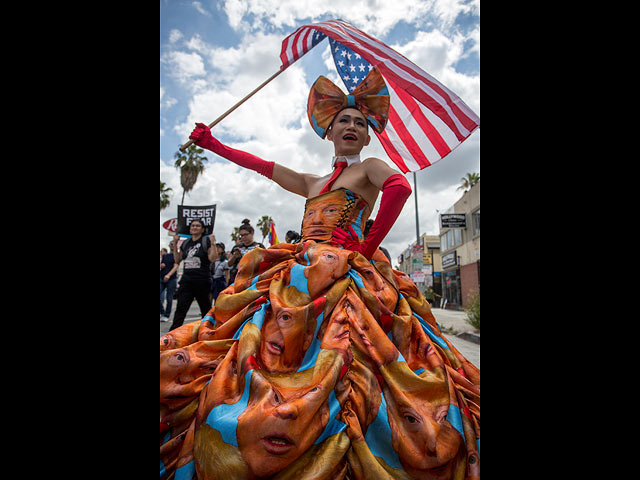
[(197, 220), (367, 227), (293, 236)]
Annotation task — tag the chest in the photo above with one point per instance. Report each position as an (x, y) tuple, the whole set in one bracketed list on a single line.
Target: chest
[(353, 178)]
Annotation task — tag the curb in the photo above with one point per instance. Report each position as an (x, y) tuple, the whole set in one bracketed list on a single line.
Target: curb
[(470, 337)]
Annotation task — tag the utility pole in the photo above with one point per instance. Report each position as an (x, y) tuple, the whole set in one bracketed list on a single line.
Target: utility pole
[(415, 197)]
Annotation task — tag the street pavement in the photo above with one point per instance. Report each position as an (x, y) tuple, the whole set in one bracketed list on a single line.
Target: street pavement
[(452, 323)]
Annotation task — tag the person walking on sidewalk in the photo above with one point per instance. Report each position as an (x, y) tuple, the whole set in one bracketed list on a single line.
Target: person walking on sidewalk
[(168, 280), (429, 294), (198, 253)]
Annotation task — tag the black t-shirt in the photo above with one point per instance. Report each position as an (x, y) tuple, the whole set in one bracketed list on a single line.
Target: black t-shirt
[(245, 248), (196, 260), (168, 261)]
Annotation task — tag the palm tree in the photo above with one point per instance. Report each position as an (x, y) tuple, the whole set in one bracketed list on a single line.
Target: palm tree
[(164, 195), (235, 235), (264, 224), (469, 181), (190, 165)]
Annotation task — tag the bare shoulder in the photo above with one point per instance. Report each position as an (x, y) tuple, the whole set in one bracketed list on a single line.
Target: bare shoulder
[(378, 170), (373, 162)]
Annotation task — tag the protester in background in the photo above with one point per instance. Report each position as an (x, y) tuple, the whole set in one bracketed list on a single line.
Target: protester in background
[(168, 279), (220, 273), (198, 255), (292, 237), (245, 234), (162, 292), (232, 262), (429, 294)]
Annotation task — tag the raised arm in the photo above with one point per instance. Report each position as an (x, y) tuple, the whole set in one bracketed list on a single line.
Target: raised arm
[(285, 177), (177, 254)]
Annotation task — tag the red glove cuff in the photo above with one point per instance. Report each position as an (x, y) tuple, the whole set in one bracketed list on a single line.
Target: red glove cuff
[(203, 138)]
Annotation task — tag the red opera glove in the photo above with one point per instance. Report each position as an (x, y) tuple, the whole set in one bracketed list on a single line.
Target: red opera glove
[(202, 137), (348, 240), (395, 191)]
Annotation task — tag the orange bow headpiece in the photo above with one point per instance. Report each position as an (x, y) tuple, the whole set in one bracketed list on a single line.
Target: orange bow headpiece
[(326, 100)]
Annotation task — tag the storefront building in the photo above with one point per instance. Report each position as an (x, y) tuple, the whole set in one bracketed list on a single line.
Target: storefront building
[(460, 250), (423, 264)]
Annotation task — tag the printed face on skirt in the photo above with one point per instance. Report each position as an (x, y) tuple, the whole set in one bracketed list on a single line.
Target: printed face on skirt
[(286, 335), (281, 422)]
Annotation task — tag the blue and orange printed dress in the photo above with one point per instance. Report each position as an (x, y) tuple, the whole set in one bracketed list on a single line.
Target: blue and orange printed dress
[(317, 364)]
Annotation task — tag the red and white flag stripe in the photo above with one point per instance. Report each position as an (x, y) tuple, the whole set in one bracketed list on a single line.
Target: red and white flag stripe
[(296, 45), (426, 119)]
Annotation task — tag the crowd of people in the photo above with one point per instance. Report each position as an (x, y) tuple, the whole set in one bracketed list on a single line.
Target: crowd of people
[(208, 269)]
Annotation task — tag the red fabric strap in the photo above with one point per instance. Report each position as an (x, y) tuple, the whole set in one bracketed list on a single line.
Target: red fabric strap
[(203, 138)]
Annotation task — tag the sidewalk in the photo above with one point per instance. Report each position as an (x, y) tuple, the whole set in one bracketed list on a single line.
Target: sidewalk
[(449, 320), (454, 326)]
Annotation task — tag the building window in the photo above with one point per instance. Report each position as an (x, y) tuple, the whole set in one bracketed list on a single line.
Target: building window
[(451, 239), (457, 237), (476, 222)]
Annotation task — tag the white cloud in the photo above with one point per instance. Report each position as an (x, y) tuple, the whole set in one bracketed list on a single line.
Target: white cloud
[(183, 66), (168, 102), (198, 6), (376, 17), (273, 123), (174, 36)]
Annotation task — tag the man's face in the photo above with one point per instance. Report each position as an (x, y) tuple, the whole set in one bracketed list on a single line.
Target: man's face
[(286, 334), (321, 218), (349, 132), (424, 440), (280, 423), (375, 282), (184, 371), (327, 264)]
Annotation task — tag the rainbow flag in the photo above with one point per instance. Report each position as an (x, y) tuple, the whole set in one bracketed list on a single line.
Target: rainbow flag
[(273, 238)]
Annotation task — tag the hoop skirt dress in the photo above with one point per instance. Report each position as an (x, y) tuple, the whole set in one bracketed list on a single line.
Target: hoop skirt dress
[(317, 364)]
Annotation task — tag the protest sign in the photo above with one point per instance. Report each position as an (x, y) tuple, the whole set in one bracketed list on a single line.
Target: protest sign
[(186, 214)]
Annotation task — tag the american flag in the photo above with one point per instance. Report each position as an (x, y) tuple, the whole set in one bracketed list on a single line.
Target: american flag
[(426, 119)]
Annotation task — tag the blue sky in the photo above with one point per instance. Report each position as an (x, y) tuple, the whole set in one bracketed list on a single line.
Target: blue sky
[(212, 53)]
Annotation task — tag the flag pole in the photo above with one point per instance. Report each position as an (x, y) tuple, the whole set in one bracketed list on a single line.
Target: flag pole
[(221, 117)]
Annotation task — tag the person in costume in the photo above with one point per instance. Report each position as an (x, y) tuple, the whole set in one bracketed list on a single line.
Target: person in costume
[(327, 363), (344, 120)]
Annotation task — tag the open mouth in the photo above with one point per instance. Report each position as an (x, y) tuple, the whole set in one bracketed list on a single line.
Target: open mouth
[(365, 340), (278, 443), (350, 137), (342, 335), (274, 348)]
